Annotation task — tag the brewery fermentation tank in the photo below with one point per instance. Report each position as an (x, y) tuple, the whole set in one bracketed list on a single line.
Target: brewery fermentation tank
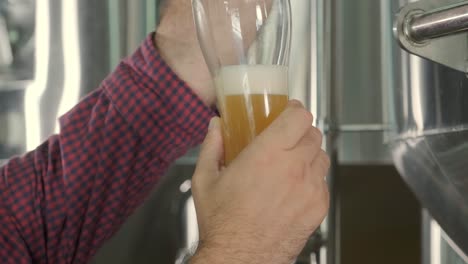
[(430, 148)]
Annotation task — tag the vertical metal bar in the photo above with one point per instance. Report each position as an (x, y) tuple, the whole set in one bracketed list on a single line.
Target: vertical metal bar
[(315, 59), (136, 24), (387, 64), (334, 230), (151, 15), (114, 33), (426, 236), (331, 20)]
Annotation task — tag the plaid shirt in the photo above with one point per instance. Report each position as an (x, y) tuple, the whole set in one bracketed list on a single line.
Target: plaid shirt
[(61, 202)]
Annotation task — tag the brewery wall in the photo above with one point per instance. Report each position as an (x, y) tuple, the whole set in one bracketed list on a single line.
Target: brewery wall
[(341, 68)]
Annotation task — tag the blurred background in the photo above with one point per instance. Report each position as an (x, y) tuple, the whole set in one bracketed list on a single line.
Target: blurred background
[(396, 124)]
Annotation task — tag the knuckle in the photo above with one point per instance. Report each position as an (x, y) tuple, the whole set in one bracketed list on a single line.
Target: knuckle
[(322, 197), (316, 132), (317, 135), (305, 116), (320, 202), (265, 156), (298, 170), (326, 201), (298, 110), (325, 160)]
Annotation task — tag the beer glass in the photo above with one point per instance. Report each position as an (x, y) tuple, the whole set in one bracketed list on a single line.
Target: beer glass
[(246, 47)]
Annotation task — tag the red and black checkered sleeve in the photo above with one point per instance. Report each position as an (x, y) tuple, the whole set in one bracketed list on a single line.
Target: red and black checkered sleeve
[(61, 202)]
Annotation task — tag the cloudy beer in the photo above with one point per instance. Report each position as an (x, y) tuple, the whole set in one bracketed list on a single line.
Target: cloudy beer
[(250, 97)]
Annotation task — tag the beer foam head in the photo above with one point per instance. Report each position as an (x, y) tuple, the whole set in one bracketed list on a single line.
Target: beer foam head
[(253, 79)]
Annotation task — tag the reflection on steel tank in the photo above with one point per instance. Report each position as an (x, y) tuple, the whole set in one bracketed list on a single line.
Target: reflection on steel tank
[(16, 72), (431, 110), (11, 123), (17, 38), (431, 150)]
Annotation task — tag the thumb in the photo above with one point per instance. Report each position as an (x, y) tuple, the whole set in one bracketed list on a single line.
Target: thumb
[(211, 155)]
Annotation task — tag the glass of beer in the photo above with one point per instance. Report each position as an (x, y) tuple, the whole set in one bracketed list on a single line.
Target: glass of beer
[(246, 47)]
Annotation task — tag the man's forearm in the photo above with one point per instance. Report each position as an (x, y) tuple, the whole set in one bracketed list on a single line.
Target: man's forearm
[(228, 254), (206, 256)]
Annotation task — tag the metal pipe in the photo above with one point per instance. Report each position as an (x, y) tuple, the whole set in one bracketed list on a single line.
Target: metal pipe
[(331, 39), (435, 24), (360, 128)]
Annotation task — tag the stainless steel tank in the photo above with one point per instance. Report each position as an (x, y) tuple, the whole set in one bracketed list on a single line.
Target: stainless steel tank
[(430, 148), (16, 72), (78, 43)]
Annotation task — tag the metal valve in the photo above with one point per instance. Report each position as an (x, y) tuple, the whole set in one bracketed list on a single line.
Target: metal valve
[(436, 30)]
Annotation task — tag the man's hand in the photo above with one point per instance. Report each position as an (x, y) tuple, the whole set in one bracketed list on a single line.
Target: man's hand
[(267, 203), (177, 41)]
